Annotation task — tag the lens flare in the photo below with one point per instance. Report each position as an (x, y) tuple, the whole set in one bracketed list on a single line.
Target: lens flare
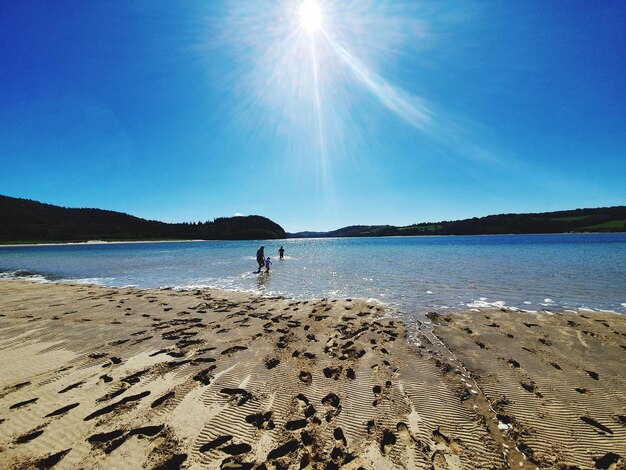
[(310, 16), (321, 76)]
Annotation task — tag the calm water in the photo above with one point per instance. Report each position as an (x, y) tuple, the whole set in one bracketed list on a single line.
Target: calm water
[(414, 274)]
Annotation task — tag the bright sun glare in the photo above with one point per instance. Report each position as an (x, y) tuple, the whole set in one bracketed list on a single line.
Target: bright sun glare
[(310, 16)]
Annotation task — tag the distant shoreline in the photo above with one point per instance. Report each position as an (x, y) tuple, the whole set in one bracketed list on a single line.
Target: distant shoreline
[(103, 242), (121, 242), (454, 235)]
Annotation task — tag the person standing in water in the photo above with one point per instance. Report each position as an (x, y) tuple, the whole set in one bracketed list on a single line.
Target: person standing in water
[(260, 258), (281, 252), (267, 264)]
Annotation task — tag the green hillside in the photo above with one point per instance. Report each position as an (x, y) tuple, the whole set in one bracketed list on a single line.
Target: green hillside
[(23, 221), (602, 219)]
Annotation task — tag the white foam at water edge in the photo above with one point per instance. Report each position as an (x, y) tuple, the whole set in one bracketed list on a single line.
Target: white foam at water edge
[(482, 303), (624, 304), (372, 300), (607, 311), (89, 280), (189, 287), (17, 276), (548, 301), (585, 309), (527, 302)]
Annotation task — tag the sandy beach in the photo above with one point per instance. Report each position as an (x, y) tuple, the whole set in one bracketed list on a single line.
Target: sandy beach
[(95, 377)]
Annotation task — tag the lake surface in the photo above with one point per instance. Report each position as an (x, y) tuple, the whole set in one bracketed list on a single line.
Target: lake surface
[(413, 274)]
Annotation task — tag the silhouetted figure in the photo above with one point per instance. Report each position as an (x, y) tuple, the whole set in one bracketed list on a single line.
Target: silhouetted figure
[(281, 252), (260, 258)]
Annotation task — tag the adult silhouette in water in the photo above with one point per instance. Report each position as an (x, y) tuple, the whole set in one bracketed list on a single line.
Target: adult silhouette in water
[(260, 258), (281, 252)]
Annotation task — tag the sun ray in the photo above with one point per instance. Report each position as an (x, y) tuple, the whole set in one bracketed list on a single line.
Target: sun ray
[(411, 109), (307, 71)]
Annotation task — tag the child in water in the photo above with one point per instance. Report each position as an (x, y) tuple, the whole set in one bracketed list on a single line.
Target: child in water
[(267, 264)]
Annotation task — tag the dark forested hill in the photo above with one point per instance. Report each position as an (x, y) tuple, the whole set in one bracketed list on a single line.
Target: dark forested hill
[(602, 219), (23, 220)]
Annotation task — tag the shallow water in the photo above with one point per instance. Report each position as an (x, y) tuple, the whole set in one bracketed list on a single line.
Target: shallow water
[(414, 274)]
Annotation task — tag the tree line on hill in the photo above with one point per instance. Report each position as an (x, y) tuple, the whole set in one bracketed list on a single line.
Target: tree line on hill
[(23, 220), (602, 219)]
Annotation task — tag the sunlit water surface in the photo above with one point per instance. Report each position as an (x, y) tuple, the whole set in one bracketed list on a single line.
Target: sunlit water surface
[(413, 274)]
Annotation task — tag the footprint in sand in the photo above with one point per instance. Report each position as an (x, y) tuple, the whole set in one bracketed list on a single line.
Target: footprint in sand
[(70, 387), (113, 406), (99, 438), (387, 441), (234, 349), (204, 375), (62, 410), (51, 460), (296, 424), (514, 363), (23, 404), (596, 424), (173, 463), (284, 449), (531, 388), (305, 406), (340, 436), (28, 436), (332, 372), (270, 363), (261, 420), (215, 443), (409, 440), (237, 396), (378, 397), (332, 402), (608, 461), (236, 449), (159, 401), (305, 377)]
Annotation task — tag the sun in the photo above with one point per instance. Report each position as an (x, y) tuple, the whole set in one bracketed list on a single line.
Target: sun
[(310, 16)]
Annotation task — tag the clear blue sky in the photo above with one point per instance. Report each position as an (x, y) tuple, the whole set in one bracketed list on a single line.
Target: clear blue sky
[(376, 112)]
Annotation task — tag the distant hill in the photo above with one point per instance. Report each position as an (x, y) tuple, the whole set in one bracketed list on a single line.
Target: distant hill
[(602, 219), (23, 220)]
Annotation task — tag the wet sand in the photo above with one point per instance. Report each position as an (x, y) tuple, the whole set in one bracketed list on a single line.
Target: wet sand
[(95, 377)]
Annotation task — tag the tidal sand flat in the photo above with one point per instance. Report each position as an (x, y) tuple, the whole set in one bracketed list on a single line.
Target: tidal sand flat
[(98, 377), (557, 382)]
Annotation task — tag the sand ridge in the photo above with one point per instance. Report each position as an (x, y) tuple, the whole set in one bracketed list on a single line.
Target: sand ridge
[(556, 381), (95, 377)]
